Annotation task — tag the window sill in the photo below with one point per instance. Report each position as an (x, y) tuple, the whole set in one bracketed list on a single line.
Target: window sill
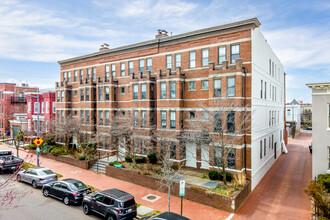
[(192, 90), (205, 89)]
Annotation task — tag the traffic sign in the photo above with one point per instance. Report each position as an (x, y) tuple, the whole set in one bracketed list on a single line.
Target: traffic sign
[(38, 141), (182, 187)]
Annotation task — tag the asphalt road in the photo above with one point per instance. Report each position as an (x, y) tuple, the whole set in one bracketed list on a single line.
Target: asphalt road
[(30, 204)]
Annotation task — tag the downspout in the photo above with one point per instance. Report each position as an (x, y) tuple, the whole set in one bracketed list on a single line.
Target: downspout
[(244, 70)]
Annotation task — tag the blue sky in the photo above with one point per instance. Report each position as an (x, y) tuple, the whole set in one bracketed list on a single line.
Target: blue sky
[(34, 34)]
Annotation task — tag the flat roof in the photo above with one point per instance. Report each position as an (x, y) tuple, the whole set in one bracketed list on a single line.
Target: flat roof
[(310, 85), (252, 22)]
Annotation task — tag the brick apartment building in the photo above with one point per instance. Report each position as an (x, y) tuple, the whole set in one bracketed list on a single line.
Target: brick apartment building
[(46, 114), (11, 104), (163, 82)]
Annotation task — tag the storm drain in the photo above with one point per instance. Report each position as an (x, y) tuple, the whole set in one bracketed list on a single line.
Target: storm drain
[(151, 198)]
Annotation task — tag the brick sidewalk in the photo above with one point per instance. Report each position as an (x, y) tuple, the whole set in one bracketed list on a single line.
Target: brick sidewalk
[(190, 209)]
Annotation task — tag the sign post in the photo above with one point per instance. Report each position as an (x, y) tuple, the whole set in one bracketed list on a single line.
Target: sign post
[(182, 189), (38, 141)]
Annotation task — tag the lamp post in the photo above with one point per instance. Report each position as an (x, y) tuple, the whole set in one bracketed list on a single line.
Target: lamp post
[(38, 149)]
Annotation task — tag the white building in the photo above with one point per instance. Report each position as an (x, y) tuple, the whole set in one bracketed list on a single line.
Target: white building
[(267, 107), (321, 128), (293, 116)]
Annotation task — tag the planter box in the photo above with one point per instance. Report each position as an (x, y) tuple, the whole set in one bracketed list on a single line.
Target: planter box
[(84, 164), (193, 193)]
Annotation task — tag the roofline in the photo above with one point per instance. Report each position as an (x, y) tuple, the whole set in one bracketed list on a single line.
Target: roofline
[(254, 22), (311, 85)]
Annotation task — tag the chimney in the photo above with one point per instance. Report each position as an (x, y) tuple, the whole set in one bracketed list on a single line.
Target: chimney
[(161, 34), (104, 46)]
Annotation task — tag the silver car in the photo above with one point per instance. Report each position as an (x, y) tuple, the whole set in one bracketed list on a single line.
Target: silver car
[(37, 176)]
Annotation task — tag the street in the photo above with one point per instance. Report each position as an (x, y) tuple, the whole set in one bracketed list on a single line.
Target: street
[(33, 205)]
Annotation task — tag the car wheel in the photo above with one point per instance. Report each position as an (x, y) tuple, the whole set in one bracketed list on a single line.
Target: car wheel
[(19, 179), (34, 184), (85, 209), (111, 217), (66, 200), (45, 192)]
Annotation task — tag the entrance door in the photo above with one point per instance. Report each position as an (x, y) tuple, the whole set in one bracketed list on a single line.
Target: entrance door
[(205, 157), (275, 150), (191, 155), (15, 130)]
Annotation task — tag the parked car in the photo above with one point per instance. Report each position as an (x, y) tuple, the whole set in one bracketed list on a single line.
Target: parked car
[(310, 148), (308, 128), (37, 176), (9, 162), (166, 216), (70, 191), (111, 204)]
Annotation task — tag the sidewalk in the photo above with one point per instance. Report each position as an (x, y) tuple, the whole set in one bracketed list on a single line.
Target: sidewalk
[(100, 181)]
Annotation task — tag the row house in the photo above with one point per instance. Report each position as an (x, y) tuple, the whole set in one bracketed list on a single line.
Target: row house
[(169, 84)]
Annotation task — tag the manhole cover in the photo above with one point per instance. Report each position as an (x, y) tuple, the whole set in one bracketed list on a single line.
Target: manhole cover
[(151, 198)]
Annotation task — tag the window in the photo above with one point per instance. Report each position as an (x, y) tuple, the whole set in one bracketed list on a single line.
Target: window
[(143, 147), (122, 90), (192, 59), (107, 116), (94, 73), (177, 60), (87, 116), (172, 90), (143, 118), (217, 88), (62, 96), (123, 113), (113, 70), (231, 159), (205, 57), (106, 146), (135, 117), (81, 95), (75, 75), (163, 119), (36, 107), (107, 97), (100, 93), (149, 64), (135, 91), (173, 150), (163, 90), (47, 107), (58, 96), (143, 91), (87, 94), (231, 122), (115, 93), (222, 55), (100, 117), (261, 86), (130, 67), (217, 157), (107, 73), (75, 113), (152, 118), (234, 53), (75, 93), (205, 84), (172, 119), (192, 115), (261, 149), (64, 76), (42, 107), (168, 61), (205, 115), (192, 86), (53, 107), (122, 69), (231, 86), (29, 107), (88, 73), (81, 74), (141, 66), (265, 90), (264, 146)]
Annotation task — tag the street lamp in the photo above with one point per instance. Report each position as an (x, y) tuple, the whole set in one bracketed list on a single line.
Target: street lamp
[(38, 149)]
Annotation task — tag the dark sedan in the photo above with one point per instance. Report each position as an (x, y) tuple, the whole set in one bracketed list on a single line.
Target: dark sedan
[(70, 191)]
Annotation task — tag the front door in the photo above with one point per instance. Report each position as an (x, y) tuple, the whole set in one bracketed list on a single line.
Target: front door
[(275, 150), (205, 158), (15, 130), (191, 155)]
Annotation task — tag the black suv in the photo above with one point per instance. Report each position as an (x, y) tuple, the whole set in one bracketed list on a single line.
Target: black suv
[(111, 204)]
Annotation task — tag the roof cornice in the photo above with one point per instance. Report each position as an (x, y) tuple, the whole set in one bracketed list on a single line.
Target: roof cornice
[(249, 23)]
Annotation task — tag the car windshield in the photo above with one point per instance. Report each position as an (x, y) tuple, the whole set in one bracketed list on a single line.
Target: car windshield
[(128, 203), (45, 172), (78, 186)]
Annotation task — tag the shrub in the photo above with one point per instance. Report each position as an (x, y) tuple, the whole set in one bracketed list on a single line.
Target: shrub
[(229, 176), (152, 157), (82, 158), (46, 148), (175, 166), (57, 151), (31, 146), (114, 163), (316, 191), (140, 159), (325, 180), (128, 159), (213, 174)]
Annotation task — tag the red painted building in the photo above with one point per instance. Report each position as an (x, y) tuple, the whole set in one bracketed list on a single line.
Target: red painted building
[(12, 103), (46, 115)]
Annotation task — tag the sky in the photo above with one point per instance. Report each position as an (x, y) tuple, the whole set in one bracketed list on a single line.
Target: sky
[(35, 34)]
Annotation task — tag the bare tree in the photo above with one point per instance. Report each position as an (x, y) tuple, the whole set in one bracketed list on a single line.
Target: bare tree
[(219, 128), (68, 128)]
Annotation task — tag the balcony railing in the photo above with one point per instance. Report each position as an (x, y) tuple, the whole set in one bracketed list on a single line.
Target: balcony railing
[(17, 99)]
